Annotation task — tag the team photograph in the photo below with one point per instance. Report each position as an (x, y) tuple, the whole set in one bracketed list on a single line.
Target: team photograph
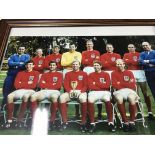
[(78, 85)]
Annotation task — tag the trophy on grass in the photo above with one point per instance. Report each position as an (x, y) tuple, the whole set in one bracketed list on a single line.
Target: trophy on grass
[(74, 94)]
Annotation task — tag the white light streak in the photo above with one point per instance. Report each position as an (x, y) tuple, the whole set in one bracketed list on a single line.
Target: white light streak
[(40, 122)]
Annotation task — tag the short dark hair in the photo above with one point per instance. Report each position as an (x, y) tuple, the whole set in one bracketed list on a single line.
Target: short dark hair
[(30, 61), (98, 62), (52, 62), (72, 43)]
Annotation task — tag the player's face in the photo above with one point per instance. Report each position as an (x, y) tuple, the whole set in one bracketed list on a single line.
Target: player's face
[(97, 67), (29, 66), (89, 45), (131, 48), (56, 50), (53, 66), (146, 46), (39, 52), (72, 48), (120, 65), (21, 50), (75, 66), (109, 48)]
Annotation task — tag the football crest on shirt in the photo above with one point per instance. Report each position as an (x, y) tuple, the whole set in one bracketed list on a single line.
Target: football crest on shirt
[(126, 78), (93, 56), (57, 60), (113, 59), (55, 79), (135, 58), (31, 78), (40, 62), (80, 77), (102, 80)]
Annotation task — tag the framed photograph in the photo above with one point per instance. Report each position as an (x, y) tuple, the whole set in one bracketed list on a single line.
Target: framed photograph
[(45, 34)]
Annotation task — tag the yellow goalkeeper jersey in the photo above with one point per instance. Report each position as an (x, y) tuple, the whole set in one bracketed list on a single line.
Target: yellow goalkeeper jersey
[(68, 58)]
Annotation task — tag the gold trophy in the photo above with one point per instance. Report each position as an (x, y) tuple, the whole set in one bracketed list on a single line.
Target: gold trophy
[(73, 94)]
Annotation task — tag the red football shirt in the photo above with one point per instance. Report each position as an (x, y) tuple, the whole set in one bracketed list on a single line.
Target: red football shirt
[(38, 63), (99, 81), (23, 77), (80, 77), (88, 57), (131, 60), (123, 79), (51, 80), (108, 61), (53, 57)]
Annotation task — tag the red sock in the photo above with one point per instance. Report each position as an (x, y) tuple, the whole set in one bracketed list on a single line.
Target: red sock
[(91, 111), (33, 106), (53, 109), (132, 110), (84, 112), (109, 111), (10, 108), (148, 103), (22, 110), (63, 110), (122, 110)]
